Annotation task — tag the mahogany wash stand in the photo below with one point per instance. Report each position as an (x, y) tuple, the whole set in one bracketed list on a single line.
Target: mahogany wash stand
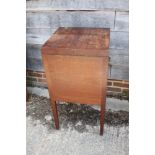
[(76, 66)]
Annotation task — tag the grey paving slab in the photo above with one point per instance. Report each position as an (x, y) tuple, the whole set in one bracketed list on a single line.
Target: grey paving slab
[(79, 130), (40, 141)]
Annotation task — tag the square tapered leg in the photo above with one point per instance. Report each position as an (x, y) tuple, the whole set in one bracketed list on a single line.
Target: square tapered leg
[(102, 115), (55, 114)]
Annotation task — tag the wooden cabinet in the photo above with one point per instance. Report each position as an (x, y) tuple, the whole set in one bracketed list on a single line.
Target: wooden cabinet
[(76, 66)]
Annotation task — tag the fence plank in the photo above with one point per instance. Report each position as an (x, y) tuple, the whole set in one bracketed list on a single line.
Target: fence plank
[(113, 51), (78, 4), (122, 60), (71, 19), (33, 51), (119, 72), (34, 64), (39, 31), (43, 20), (122, 21), (38, 20), (119, 40)]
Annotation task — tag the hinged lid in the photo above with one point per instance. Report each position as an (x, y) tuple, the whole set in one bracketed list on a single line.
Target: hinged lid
[(78, 41)]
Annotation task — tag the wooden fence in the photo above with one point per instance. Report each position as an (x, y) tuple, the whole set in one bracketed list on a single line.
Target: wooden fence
[(45, 16)]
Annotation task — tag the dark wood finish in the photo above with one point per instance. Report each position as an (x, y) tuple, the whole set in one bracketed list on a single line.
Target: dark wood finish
[(78, 41), (55, 113), (76, 67)]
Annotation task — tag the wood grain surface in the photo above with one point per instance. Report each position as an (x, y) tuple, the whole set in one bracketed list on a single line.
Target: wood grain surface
[(78, 41), (76, 66)]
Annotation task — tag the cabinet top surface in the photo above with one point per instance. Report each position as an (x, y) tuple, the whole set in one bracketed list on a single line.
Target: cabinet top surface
[(78, 41)]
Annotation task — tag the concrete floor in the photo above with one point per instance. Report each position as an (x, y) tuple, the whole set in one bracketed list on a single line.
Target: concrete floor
[(41, 141), (77, 136)]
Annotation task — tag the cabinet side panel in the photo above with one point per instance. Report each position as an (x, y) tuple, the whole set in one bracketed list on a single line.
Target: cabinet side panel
[(76, 78)]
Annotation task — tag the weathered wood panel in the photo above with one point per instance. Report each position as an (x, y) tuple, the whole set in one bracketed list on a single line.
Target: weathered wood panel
[(122, 60), (38, 20), (119, 40), (122, 21), (33, 51), (78, 4), (118, 72), (34, 64), (114, 52), (36, 39), (38, 35), (71, 19), (40, 31), (43, 20)]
